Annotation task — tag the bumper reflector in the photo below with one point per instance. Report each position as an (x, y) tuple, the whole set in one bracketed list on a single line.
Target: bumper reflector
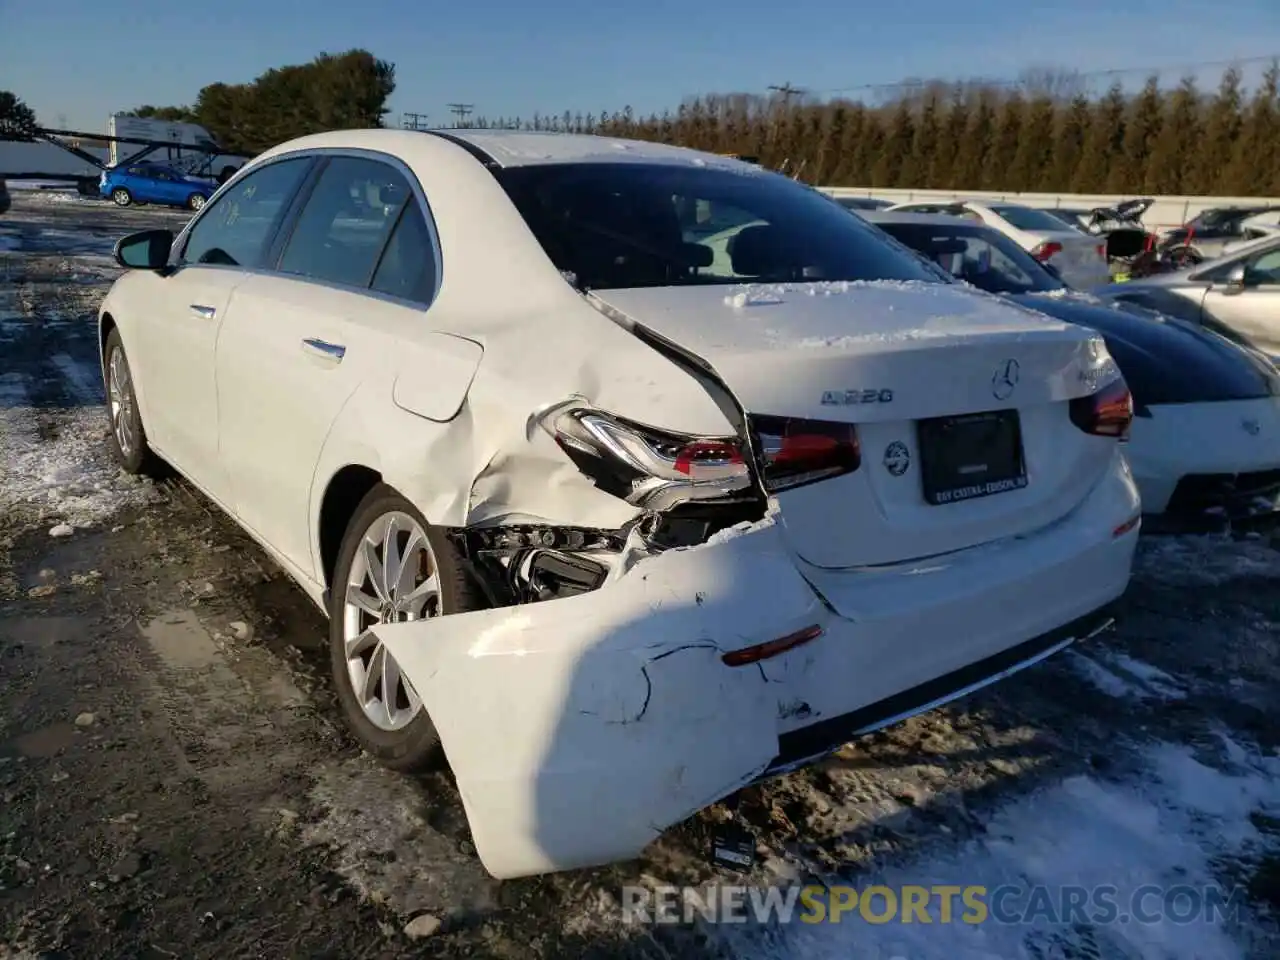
[(771, 648), (1128, 525)]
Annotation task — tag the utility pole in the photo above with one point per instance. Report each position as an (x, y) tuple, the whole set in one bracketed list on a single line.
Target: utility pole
[(414, 121), (460, 112), (786, 91)]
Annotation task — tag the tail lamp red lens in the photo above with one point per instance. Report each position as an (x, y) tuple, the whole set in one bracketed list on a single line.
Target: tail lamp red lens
[(1046, 250), (1107, 413), (693, 457), (794, 452)]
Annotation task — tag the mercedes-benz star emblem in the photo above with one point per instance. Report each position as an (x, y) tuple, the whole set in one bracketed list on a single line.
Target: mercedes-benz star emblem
[(1251, 427), (897, 458), (1004, 380)]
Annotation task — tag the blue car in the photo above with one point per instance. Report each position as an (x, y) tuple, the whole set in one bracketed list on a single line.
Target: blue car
[(153, 183)]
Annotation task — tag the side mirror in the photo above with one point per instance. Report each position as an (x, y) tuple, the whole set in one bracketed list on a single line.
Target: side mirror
[(1234, 282), (145, 250)]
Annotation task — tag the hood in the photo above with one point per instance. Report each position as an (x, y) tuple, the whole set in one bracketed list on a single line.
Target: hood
[(1164, 360)]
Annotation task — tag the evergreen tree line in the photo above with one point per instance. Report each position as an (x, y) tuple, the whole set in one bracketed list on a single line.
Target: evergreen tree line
[(1032, 137), (1046, 133)]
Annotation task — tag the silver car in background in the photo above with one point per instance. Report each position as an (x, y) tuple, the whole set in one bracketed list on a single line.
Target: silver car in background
[(1239, 294)]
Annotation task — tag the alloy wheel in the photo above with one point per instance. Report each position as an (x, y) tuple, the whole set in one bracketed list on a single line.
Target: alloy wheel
[(394, 578), (121, 400)]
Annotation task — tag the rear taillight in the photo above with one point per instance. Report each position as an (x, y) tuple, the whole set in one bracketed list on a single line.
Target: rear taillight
[(1045, 250), (1102, 250), (646, 466), (795, 452), (1107, 413)]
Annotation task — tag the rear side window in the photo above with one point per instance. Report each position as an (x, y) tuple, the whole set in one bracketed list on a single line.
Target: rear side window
[(1028, 218), (235, 229), (346, 221), (408, 266)]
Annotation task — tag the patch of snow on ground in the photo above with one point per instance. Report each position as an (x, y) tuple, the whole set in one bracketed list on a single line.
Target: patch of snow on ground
[(1155, 680), (70, 475), (1201, 560), (1102, 678), (1165, 829)]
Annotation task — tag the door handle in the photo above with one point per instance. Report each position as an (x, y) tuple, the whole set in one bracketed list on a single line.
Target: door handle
[(203, 312), (330, 351)]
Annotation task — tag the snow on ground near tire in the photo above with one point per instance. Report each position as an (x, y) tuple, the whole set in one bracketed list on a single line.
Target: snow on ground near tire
[(55, 463)]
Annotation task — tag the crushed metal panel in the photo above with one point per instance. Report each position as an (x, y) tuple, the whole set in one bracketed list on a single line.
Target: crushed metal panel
[(579, 729)]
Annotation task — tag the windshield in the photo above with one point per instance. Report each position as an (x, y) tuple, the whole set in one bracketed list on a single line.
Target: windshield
[(1028, 218), (618, 225), (979, 255)]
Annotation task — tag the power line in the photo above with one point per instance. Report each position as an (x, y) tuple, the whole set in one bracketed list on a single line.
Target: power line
[(460, 112), (1080, 74), (414, 121)]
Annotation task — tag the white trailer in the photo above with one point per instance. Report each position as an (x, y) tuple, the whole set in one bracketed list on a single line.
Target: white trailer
[(190, 147)]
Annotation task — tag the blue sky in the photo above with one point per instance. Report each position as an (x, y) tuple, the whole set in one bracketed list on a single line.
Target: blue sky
[(78, 61)]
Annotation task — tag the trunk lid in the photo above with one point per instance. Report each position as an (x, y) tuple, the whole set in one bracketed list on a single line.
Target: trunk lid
[(886, 356), (1080, 253)]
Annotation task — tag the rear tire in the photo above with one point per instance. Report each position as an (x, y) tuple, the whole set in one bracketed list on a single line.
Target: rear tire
[(121, 197), (195, 202), (392, 724), (128, 436)]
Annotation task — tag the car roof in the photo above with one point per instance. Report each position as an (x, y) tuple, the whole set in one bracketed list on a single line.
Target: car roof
[(516, 148), (519, 148), (924, 219)]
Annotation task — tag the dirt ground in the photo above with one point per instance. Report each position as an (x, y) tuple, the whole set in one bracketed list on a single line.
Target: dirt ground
[(175, 780)]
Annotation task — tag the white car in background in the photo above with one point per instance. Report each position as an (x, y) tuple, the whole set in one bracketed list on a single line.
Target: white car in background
[(611, 530), (1205, 444), (1078, 258)]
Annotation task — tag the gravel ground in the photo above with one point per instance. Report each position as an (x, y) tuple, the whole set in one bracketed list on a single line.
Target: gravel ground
[(175, 781)]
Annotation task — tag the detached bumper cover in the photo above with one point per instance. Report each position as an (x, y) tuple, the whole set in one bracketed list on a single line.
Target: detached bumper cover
[(579, 729)]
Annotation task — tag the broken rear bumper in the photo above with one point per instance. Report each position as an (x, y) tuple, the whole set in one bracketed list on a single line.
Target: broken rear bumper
[(579, 729)]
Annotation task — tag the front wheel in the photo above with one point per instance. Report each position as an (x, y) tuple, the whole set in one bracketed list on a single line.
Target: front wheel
[(392, 567), (122, 197), (195, 202), (128, 438)]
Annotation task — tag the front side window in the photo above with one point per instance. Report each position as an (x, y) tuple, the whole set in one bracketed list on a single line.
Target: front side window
[(345, 222), (236, 229), (977, 255), (617, 225)]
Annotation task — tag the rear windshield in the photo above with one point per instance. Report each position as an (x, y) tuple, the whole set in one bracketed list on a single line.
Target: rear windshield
[(978, 255), (1028, 218), (617, 225)]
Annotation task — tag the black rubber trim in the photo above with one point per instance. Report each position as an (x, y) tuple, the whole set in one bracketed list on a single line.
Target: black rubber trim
[(827, 735), (467, 145)]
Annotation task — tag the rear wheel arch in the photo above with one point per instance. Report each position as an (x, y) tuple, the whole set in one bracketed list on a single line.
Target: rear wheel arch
[(342, 495)]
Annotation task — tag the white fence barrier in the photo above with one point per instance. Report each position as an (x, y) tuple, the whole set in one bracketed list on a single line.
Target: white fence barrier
[(1164, 214)]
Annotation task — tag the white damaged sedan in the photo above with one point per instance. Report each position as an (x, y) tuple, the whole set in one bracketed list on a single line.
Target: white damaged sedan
[(612, 522)]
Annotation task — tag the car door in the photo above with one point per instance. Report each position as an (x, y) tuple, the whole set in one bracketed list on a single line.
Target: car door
[(302, 339), (1253, 308), (169, 188), (180, 329)]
